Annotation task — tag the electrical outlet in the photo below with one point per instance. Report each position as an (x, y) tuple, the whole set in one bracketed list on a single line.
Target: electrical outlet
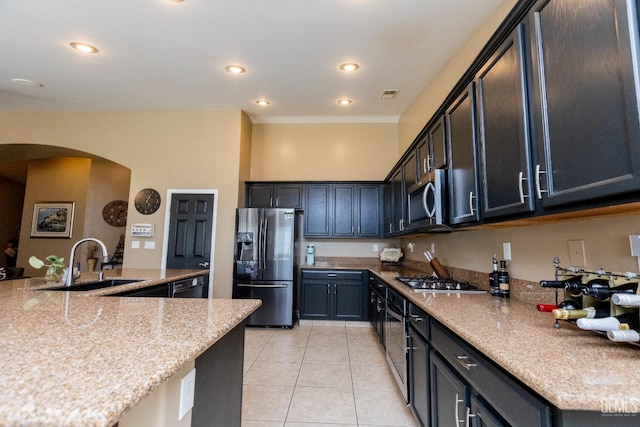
[(576, 253), (634, 240), (187, 391), (433, 248), (375, 247), (506, 249)]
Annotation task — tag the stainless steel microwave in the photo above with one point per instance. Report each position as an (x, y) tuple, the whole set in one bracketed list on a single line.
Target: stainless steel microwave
[(426, 204)]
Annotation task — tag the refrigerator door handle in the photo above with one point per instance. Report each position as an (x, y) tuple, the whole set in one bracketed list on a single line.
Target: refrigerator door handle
[(263, 244), (246, 285)]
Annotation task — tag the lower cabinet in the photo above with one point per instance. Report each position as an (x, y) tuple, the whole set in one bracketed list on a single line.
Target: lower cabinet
[(464, 380), (419, 378), (377, 295), (334, 295)]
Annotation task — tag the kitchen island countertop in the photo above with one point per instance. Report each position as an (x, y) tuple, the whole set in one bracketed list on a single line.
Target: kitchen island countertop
[(71, 359)]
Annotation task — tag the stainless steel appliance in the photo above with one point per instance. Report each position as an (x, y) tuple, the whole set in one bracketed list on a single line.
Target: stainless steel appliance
[(397, 339), (440, 285), (265, 263), (426, 204)]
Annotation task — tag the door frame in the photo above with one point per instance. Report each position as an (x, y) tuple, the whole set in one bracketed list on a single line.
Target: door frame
[(167, 221)]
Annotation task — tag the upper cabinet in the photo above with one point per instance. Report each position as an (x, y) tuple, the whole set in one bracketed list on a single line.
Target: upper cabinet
[(461, 131), (585, 99), (271, 195), (503, 131)]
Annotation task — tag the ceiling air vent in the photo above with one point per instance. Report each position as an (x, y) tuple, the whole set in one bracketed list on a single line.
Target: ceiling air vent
[(389, 93)]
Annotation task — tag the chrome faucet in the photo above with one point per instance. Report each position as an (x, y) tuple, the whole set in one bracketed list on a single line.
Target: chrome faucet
[(69, 280)]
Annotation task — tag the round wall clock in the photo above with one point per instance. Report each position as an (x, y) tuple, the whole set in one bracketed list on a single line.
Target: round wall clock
[(115, 213), (147, 201)]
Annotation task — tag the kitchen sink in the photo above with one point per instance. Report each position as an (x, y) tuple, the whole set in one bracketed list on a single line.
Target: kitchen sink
[(90, 286)]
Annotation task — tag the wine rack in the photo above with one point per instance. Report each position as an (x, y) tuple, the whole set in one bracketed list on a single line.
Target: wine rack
[(585, 276)]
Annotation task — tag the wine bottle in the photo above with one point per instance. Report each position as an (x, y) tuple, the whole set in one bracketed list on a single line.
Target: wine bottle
[(570, 304), (585, 313), (612, 323), (602, 293), (546, 307), (628, 300), (624, 336), (574, 289), (559, 284), (493, 277), (503, 280)]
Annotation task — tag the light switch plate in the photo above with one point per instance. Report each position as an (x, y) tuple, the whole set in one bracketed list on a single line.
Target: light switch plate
[(187, 391), (634, 240), (506, 250)]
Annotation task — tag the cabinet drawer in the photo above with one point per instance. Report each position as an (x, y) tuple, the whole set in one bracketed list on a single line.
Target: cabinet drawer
[(331, 275), (511, 400), (419, 321)]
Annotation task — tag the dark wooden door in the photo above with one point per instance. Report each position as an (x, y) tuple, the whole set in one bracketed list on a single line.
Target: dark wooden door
[(586, 99), (343, 211), (449, 395), (369, 207), (289, 196), (261, 196), (460, 116), (348, 300), (190, 227), (419, 385), (398, 209), (505, 160)]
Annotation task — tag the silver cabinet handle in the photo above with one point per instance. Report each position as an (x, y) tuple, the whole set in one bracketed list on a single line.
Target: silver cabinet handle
[(471, 197), (465, 362), (204, 264), (539, 191), (332, 275), (425, 163), (457, 403), (467, 422), (520, 189), (417, 318), (277, 201)]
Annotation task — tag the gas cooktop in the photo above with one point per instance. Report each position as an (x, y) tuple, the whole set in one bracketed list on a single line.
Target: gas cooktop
[(435, 284)]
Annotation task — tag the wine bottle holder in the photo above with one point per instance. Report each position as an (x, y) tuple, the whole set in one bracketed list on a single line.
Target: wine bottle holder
[(614, 280)]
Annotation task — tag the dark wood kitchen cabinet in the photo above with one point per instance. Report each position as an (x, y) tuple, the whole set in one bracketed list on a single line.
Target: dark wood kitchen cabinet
[(585, 99), (334, 294), (344, 210), (395, 205), (461, 133), (271, 195), (503, 131)]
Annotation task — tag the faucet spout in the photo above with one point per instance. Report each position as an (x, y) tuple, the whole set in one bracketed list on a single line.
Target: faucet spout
[(105, 255)]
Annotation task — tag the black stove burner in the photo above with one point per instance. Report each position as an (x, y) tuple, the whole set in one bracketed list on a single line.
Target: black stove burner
[(434, 284)]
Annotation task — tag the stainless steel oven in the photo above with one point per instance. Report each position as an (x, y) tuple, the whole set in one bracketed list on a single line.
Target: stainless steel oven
[(426, 204), (396, 339)]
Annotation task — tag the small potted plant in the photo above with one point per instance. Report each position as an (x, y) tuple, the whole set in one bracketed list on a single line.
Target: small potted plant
[(55, 263)]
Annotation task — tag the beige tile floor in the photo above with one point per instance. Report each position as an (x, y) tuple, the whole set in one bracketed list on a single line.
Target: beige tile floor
[(319, 374)]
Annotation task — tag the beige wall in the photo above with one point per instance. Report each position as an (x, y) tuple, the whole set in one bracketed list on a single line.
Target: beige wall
[(323, 151), (178, 150)]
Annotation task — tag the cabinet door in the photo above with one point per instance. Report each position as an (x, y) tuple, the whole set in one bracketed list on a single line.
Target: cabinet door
[(369, 210), (261, 196), (419, 378), (289, 196), (316, 212), (316, 298), (388, 208), (348, 300), (585, 99), (463, 186), (410, 167), (449, 395), (423, 158), (343, 223), (482, 415), (398, 205), (504, 131), (437, 145)]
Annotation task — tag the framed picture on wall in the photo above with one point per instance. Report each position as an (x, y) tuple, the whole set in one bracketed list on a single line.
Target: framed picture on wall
[(52, 219)]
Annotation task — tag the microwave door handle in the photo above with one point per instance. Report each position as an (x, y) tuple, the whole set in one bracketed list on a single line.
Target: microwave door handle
[(431, 211)]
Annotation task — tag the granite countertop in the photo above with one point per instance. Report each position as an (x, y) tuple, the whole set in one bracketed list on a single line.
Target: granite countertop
[(71, 359), (573, 369)]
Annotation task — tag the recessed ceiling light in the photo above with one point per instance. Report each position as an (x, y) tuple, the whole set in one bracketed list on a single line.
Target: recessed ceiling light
[(84, 47), (27, 82), (349, 66), (344, 101), (235, 69), (262, 102), (176, 1)]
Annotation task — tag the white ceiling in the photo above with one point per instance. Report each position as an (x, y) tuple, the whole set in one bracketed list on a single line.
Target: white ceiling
[(159, 55)]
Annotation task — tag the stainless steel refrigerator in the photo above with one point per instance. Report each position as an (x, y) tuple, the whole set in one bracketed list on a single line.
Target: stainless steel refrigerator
[(265, 263)]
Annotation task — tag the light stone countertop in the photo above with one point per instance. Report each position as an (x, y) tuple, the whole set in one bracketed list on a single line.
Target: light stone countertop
[(75, 360), (573, 369)]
